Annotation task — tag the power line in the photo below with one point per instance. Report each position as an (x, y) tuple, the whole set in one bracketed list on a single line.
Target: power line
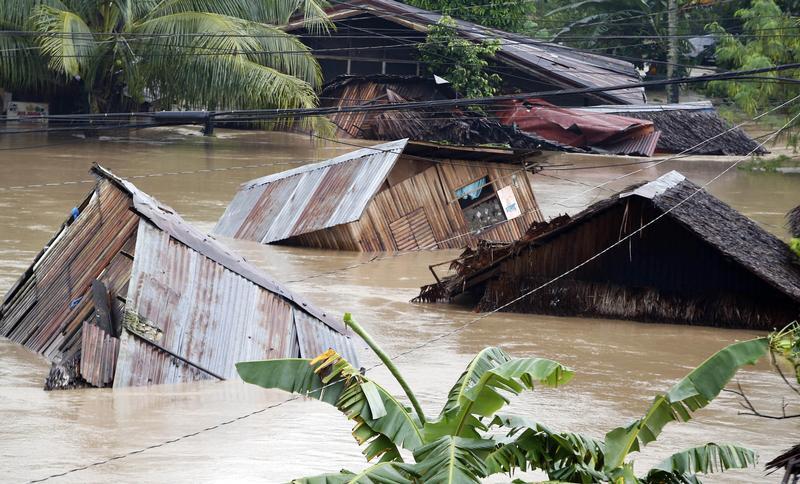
[(289, 113)]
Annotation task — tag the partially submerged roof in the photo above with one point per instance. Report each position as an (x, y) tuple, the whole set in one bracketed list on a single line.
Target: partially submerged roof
[(171, 303), (710, 219), (564, 66), (694, 127), (452, 127), (311, 197)]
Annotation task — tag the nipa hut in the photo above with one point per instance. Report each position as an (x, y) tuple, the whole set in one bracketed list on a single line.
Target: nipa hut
[(127, 293), (699, 262), (695, 128), (395, 196)]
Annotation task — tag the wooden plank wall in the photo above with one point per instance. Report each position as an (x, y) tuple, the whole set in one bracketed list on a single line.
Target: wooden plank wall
[(432, 191)]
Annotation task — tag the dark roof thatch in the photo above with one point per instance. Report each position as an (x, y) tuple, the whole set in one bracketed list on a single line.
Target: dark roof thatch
[(712, 220), (455, 127), (459, 128), (793, 221), (685, 126), (789, 460)]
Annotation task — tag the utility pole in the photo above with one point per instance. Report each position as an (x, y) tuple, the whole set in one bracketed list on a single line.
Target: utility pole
[(672, 55)]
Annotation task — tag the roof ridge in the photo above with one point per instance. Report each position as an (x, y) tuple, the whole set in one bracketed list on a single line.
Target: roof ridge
[(398, 145)]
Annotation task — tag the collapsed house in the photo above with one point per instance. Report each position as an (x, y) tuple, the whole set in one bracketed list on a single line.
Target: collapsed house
[(450, 126), (127, 293), (359, 46), (638, 130), (400, 195), (695, 261)]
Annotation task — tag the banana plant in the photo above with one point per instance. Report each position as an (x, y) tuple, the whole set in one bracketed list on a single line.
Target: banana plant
[(471, 438)]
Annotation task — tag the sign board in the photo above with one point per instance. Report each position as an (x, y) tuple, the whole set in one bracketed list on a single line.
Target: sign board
[(509, 202), (27, 110)]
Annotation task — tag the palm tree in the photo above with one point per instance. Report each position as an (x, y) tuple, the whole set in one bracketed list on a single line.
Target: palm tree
[(209, 53)]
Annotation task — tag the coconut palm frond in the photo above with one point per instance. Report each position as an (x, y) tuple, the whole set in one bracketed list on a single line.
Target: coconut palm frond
[(217, 36), (64, 38), (274, 12)]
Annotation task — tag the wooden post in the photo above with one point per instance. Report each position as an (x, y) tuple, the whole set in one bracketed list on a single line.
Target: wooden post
[(672, 56)]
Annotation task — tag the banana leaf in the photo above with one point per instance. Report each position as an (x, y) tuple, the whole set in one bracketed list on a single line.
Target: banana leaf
[(381, 421), (693, 392), (479, 392)]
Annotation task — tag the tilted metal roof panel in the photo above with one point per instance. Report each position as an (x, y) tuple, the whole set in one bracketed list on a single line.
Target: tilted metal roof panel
[(311, 197)]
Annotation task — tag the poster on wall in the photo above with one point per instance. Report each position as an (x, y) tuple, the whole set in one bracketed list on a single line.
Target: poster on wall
[(509, 202)]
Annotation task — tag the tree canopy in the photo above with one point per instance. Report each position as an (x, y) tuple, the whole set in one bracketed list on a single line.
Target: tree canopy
[(209, 53)]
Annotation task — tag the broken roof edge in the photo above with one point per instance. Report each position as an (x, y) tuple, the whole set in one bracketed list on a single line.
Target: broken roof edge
[(397, 147), (168, 220), (643, 108), (43, 252)]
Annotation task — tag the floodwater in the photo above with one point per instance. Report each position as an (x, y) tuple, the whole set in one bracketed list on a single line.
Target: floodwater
[(620, 365)]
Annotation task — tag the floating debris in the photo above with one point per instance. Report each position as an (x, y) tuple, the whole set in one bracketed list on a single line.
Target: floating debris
[(127, 293)]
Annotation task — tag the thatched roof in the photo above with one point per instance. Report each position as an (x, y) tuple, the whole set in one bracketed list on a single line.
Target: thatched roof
[(683, 126), (712, 220), (793, 221), (459, 128), (784, 460)]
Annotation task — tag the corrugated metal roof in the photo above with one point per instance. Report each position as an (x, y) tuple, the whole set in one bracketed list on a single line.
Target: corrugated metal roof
[(567, 66), (311, 197), (192, 308)]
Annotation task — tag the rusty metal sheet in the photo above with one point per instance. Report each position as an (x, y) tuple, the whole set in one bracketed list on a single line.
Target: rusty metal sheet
[(312, 197), (99, 351), (203, 306), (314, 339), (206, 314)]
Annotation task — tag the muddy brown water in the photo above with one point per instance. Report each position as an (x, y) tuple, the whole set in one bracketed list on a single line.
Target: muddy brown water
[(620, 365)]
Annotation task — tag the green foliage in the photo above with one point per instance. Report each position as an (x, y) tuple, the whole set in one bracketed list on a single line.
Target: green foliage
[(211, 53), (470, 440), (460, 61), (786, 345), (794, 244), (508, 16), (769, 165), (770, 37)]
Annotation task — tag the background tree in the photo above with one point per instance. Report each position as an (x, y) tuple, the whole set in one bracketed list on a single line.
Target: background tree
[(460, 61), (769, 37), (516, 16), (210, 53)]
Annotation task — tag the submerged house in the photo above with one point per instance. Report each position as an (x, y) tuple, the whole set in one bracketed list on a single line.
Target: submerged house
[(451, 126), (693, 127), (127, 293), (695, 261), (359, 45), (401, 195)]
